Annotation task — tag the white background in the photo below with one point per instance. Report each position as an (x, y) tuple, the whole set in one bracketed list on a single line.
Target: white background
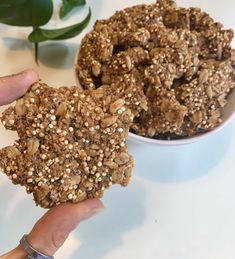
[(181, 202)]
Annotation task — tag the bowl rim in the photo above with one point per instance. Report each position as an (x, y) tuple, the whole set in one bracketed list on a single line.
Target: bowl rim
[(186, 140)]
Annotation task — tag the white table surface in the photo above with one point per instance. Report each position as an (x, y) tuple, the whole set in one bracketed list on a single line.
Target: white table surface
[(181, 202)]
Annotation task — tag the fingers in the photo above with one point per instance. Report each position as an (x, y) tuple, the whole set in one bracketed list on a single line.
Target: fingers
[(51, 231), (14, 86)]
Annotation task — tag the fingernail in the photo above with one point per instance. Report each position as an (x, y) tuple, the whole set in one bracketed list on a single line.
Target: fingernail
[(18, 74), (92, 212)]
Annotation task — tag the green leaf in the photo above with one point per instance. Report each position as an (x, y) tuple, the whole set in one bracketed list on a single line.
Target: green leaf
[(68, 5), (25, 12), (40, 34)]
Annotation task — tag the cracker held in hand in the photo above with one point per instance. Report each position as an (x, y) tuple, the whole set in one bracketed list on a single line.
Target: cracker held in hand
[(71, 144)]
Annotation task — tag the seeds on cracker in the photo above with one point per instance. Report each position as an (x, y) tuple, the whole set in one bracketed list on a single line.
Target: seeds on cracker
[(162, 48), (71, 147)]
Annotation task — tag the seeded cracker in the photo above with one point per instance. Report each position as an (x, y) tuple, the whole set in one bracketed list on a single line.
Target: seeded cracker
[(71, 143), (181, 59)]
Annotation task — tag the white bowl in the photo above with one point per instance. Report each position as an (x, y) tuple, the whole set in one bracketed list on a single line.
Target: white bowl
[(227, 114)]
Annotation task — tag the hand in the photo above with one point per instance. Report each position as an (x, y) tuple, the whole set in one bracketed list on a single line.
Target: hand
[(14, 86), (51, 231)]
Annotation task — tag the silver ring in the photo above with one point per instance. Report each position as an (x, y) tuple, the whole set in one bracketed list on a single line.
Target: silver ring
[(32, 253)]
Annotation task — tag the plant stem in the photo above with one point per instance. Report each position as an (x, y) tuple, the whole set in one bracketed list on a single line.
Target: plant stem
[(36, 52), (35, 48)]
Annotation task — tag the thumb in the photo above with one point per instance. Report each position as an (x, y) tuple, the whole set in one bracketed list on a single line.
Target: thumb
[(51, 231), (14, 86)]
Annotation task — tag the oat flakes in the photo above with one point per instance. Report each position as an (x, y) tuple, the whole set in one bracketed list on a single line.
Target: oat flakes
[(71, 143), (176, 57)]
